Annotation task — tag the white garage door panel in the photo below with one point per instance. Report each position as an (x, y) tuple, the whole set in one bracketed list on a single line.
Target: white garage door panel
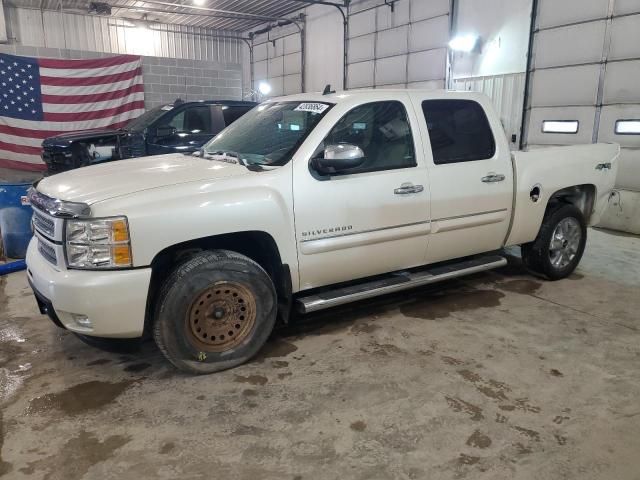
[(430, 85), (361, 48), (277, 50), (260, 52), (623, 7), (260, 70), (360, 74), (622, 82), (565, 86), (428, 34), (292, 63), (292, 84), (561, 12), (291, 44), (608, 118), (584, 115), (427, 65), (629, 170), (391, 70), (400, 15), (421, 9), (393, 86), (625, 37), (570, 45), (276, 67), (362, 23), (392, 42), (277, 86)]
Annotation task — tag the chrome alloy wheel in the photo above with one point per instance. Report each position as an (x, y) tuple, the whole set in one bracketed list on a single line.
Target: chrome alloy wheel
[(565, 242)]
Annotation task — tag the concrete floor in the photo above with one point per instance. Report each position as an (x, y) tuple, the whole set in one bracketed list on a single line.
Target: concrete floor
[(498, 376)]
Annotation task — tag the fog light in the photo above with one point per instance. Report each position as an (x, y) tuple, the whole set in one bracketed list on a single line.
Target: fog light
[(82, 320)]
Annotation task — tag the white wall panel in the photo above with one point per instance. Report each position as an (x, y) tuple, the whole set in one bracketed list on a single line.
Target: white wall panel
[(561, 12), (391, 70), (565, 86), (625, 37), (570, 45), (392, 42), (622, 82), (625, 7), (421, 9), (428, 85), (260, 71), (260, 52), (427, 34)]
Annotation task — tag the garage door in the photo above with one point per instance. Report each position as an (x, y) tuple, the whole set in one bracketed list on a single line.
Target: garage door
[(584, 82), (277, 60), (398, 44)]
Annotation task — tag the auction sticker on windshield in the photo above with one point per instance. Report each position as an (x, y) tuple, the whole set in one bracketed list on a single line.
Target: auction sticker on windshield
[(312, 107)]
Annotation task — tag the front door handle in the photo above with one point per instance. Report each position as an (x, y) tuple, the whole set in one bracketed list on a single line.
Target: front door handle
[(493, 177), (604, 166), (407, 188)]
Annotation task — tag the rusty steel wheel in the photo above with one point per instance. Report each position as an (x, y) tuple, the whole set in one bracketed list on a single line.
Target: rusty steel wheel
[(221, 317)]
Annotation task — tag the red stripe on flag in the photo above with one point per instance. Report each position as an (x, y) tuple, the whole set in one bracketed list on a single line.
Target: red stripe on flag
[(88, 81), (27, 132), (78, 117), (98, 97), (90, 63), (31, 167), (10, 147)]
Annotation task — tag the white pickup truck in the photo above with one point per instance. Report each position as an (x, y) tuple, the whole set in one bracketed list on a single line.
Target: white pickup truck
[(306, 202)]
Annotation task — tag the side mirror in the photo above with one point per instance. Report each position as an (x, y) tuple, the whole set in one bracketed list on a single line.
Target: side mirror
[(337, 158), (165, 131)]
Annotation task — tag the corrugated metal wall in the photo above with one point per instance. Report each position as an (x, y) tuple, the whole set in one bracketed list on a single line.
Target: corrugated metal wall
[(110, 35)]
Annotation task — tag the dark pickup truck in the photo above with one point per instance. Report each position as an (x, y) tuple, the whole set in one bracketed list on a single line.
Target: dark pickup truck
[(177, 127)]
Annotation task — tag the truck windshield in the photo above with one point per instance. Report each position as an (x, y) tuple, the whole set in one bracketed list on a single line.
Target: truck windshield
[(147, 118), (270, 133)]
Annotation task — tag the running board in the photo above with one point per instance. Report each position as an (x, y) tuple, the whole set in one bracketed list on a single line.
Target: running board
[(396, 282)]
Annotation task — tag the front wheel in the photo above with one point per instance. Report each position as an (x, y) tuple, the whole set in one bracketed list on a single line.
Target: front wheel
[(215, 312), (560, 243)]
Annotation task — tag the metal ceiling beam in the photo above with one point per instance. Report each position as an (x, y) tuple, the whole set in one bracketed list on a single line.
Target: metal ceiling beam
[(245, 15), (343, 4)]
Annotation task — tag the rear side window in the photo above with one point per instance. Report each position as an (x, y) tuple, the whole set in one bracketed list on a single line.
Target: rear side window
[(232, 113), (459, 131)]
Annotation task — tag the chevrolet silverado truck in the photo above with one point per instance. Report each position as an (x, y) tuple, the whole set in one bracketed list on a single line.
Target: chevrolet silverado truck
[(306, 202), (178, 127)]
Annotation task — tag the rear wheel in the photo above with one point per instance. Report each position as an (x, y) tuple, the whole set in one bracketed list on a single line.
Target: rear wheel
[(216, 311), (560, 244)]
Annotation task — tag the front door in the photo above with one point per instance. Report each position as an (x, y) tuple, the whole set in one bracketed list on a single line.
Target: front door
[(373, 218), (186, 130)]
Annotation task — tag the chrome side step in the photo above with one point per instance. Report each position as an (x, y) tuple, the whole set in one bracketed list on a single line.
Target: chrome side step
[(396, 282)]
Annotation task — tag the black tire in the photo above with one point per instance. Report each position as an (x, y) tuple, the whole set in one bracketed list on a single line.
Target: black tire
[(212, 273), (537, 254), (113, 345)]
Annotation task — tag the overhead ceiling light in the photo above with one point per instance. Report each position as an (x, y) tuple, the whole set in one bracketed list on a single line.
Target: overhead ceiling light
[(199, 2), (464, 43), (264, 88)]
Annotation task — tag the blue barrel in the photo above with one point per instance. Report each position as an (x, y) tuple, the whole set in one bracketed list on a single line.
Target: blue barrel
[(15, 219)]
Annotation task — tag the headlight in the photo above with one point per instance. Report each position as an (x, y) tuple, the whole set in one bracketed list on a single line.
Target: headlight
[(98, 243)]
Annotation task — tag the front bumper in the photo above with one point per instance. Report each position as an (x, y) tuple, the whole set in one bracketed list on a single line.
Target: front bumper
[(113, 301)]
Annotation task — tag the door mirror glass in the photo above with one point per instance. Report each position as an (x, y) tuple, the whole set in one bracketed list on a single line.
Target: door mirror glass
[(165, 131), (339, 157)]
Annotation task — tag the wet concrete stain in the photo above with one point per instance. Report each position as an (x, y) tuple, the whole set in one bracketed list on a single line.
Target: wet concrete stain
[(251, 379), (364, 328), (282, 376), (137, 367), (501, 418), (279, 364), (5, 467), (80, 398), (556, 373), (532, 434), (489, 388), (275, 348), (479, 440), (521, 286), (576, 276), (522, 449), (358, 426), (560, 439), (559, 419), (438, 306), (385, 349), (467, 459), (520, 404), (458, 405), (249, 392), (77, 456), (451, 361), (167, 447), (100, 361)]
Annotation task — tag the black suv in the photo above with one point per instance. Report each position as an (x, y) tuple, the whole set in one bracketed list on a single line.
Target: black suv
[(179, 127)]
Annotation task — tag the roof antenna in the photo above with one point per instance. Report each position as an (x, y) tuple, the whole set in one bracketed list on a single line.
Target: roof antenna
[(327, 90)]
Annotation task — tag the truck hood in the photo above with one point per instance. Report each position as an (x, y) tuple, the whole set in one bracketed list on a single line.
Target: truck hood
[(109, 180), (67, 138)]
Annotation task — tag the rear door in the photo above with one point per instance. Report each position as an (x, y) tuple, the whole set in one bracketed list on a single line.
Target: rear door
[(470, 173)]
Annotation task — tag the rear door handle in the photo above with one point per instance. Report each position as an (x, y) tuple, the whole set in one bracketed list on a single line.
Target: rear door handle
[(493, 177), (407, 188)]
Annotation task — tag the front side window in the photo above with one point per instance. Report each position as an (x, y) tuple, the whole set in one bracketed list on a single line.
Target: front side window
[(382, 131), (270, 133), (459, 131), (196, 120), (233, 113)]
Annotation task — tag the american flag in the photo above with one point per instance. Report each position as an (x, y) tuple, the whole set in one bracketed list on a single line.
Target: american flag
[(40, 98)]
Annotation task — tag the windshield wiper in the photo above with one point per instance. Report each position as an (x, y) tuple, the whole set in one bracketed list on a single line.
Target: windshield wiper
[(231, 157)]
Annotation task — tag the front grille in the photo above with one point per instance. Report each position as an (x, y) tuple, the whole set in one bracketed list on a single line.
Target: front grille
[(43, 224), (48, 252)]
